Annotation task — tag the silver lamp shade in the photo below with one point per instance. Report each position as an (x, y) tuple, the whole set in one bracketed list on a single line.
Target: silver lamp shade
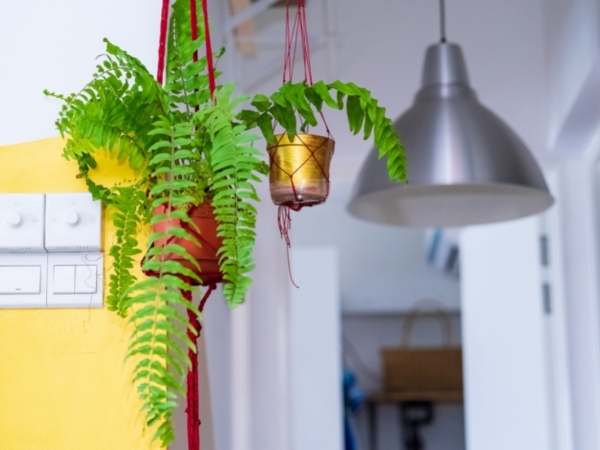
[(465, 165)]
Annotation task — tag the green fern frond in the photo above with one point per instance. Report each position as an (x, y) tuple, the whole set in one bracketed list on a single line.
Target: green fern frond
[(159, 345), (114, 112), (187, 80), (236, 166), (367, 116), (126, 219), (160, 341), (295, 107)]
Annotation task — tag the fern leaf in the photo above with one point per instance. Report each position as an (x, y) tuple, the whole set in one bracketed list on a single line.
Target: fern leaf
[(299, 100), (236, 163), (127, 216)]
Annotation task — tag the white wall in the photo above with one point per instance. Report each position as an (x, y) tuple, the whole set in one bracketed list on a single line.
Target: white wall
[(53, 44), (217, 332), (268, 363), (382, 268), (314, 345), (578, 193), (506, 384), (573, 43), (556, 333)]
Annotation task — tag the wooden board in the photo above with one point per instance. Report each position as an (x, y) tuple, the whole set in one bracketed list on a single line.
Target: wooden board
[(421, 396)]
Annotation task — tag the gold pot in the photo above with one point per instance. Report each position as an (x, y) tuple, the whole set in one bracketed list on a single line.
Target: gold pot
[(299, 169)]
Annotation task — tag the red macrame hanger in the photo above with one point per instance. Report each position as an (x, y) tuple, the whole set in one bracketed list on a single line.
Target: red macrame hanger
[(193, 376), (294, 32), (162, 40), (297, 30)]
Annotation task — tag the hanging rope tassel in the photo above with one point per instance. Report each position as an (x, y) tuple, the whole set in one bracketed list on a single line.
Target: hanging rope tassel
[(284, 221)]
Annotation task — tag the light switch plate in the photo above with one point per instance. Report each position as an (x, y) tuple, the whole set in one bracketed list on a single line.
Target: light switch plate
[(21, 223), (75, 280), (50, 251), (73, 223), (23, 280)]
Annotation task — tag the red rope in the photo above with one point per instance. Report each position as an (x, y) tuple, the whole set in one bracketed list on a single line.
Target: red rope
[(194, 25), (286, 46), (193, 386), (210, 66), (284, 221), (193, 376), (162, 41), (294, 32)]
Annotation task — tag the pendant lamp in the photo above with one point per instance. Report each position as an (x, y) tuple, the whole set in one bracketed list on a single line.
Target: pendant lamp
[(465, 165)]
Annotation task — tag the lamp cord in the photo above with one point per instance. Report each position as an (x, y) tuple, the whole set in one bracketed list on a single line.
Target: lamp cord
[(442, 20)]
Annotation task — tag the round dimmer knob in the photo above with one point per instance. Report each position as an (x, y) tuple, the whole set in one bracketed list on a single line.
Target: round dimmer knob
[(73, 218), (14, 219)]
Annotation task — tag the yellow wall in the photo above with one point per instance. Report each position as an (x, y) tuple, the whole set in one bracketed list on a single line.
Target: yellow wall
[(64, 384)]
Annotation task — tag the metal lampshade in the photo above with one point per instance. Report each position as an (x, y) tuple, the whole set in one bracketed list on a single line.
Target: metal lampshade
[(465, 165)]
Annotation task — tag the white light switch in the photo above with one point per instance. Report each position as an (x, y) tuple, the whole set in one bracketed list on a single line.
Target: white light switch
[(23, 280), (21, 222), (75, 280), (20, 280), (73, 223)]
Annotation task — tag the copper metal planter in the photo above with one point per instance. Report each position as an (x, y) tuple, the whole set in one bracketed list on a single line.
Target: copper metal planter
[(299, 174)]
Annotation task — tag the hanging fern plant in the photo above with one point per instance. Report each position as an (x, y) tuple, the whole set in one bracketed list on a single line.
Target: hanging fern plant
[(185, 150), (187, 146)]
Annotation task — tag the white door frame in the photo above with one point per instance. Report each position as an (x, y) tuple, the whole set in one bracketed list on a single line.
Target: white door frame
[(557, 360), (578, 212)]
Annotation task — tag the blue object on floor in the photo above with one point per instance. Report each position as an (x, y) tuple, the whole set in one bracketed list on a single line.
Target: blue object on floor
[(353, 399)]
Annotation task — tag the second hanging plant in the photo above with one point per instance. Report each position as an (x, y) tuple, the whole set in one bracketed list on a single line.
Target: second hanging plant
[(300, 159)]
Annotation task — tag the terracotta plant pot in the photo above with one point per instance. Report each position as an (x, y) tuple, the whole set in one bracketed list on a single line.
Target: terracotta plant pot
[(206, 254), (299, 169)]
